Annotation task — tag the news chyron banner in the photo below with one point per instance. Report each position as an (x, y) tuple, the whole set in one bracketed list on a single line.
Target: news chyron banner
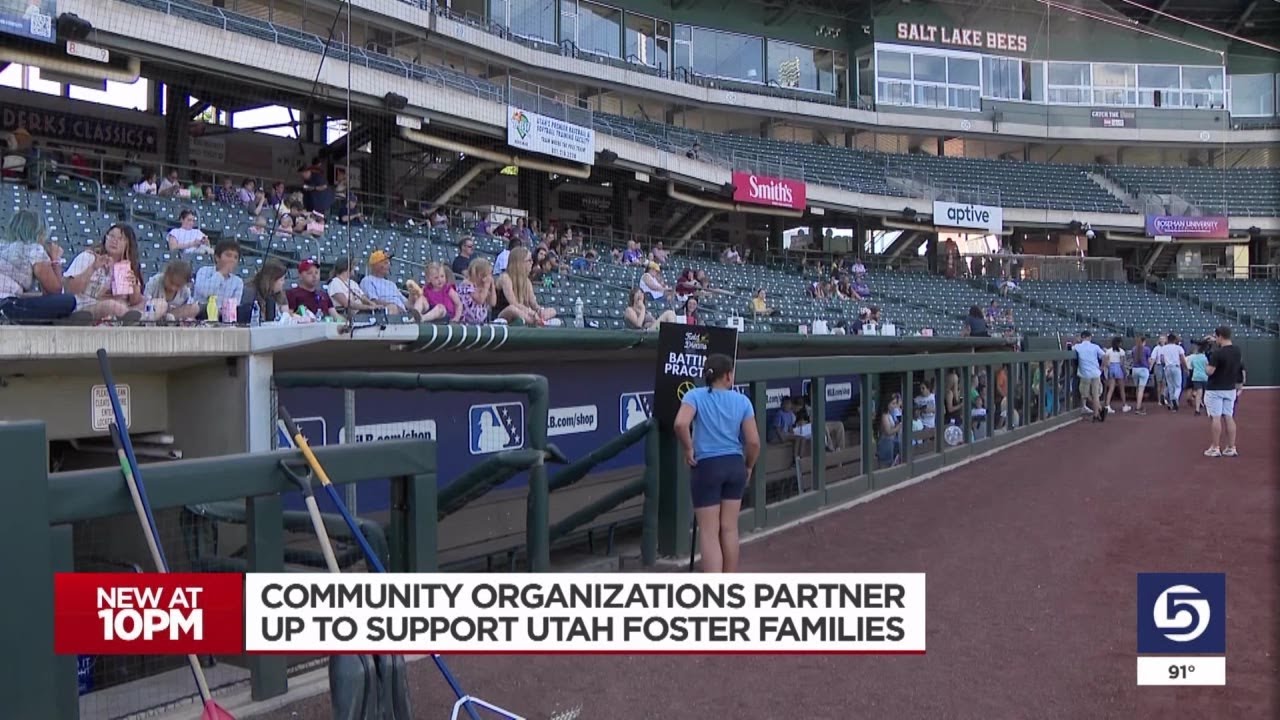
[(682, 355), (305, 613)]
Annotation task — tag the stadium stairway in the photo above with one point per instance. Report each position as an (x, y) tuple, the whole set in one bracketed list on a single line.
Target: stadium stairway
[(1117, 191)]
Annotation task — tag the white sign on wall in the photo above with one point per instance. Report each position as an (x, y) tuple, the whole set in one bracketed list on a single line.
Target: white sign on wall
[(412, 429), (962, 215), (572, 420), (549, 136), (100, 407)]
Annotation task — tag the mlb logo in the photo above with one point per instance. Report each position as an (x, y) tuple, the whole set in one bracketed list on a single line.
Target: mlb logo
[(314, 429), (634, 409), (496, 427), (1182, 613)]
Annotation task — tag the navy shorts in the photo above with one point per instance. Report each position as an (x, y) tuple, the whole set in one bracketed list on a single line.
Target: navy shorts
[(717, 479)]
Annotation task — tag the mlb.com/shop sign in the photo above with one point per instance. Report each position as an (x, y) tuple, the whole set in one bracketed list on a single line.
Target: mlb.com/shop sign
[(961, 215)]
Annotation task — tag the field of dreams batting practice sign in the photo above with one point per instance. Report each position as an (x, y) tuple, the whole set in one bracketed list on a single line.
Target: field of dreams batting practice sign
[(682, 354)]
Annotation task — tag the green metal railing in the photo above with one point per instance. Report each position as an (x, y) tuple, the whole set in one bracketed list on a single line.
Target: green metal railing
[(38, 519)]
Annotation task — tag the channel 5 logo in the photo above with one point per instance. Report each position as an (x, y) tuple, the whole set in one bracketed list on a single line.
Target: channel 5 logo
[(1181, 613)]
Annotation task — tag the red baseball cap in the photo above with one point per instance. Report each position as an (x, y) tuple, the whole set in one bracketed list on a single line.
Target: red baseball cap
[(306, 265)]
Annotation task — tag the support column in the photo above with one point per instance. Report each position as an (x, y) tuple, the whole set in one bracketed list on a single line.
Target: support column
[(177, 141), (620, 207)]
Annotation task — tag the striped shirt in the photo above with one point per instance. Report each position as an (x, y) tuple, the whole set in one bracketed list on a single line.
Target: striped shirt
[(382, 290), (17, 267)]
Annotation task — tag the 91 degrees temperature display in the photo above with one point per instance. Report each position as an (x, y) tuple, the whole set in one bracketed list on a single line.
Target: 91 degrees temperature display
[(1182, 671)]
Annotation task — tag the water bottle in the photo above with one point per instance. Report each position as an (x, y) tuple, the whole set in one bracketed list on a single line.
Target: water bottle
[(577, 313), (255, 317), (149, 313)]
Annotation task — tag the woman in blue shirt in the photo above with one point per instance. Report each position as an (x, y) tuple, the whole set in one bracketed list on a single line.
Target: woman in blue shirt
[(717, 428)]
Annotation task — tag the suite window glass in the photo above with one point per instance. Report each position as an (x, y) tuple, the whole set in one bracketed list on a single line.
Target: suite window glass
[(599, 29), (726, 55), (802, 67), (1203, 87), (648, 40), (526, 18), (1253, 95), (928, 79)]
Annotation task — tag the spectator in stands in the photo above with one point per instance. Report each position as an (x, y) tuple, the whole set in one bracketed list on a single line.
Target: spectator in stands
[(106, 279), (478, 293), (219, 280), (686, 286), (516, 298), (187, 237), (637, 316), (208, 193), (227, 193), (438, 219), (974, 324), (31, 273), (314, 224), (259, 226), (317, 195), (347, 209), (169, 292), (926, 405), (659, 253), (347, 295), (147, 185), (264, 291), (695, 151), (309, 293), (438, 299), (258, 204), (953, 400), (585, 263), (688, 312), (276, 196), (759, 304), (378, 287), (544, 267), (466, 249), (653, 284), (860, 288), (294, 220), (245, 196), (170, 186), (507, 230), (504, 257), (731, 256), (633, 255)]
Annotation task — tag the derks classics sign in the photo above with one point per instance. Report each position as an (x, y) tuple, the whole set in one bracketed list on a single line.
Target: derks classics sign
[(961, 37), (960, 215), (764, 190)]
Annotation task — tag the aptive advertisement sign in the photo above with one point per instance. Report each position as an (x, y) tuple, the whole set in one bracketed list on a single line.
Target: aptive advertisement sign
[(973, 217)]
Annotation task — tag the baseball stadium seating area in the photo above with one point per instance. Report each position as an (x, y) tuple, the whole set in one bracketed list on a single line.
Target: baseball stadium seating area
[(911, 300)]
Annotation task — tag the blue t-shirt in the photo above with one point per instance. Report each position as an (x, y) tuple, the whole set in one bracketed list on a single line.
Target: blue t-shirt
[(1090, 356), (717, 424), (1199, 367)]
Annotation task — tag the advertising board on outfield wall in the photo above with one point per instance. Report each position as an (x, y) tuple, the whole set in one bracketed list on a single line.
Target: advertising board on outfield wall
[(967, 216), (771, 191), (1204, 227), (550, 136)]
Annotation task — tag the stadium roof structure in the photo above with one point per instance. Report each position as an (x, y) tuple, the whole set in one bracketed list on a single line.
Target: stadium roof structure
[(1257, 20)]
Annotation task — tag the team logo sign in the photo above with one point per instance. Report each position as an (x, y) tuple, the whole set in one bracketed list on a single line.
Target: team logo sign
[(684, 388), (520, 123)]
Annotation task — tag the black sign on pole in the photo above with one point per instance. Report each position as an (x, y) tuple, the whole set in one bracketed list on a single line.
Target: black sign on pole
[(682, 355)]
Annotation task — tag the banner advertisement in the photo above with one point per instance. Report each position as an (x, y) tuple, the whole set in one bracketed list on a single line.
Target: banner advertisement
[(963, 215), (1205, 227), (1113, 118), (549, 136), (772, 191), (33, 19), (79, 129), (682, 353)]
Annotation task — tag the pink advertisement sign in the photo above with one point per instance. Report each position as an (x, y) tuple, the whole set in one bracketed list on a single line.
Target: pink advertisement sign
[(765, 190)]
